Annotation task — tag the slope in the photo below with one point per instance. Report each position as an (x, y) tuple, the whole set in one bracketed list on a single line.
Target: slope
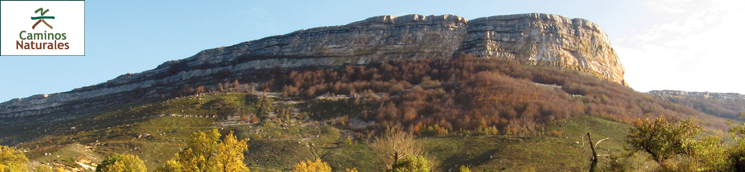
[(488, 113)]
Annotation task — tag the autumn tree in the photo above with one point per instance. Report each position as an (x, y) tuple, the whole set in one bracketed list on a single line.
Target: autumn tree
[(310, 166), (121, 163), (200, 90), (236, 85), (205, 152), (12, 160), (663, 139), (229, 154)]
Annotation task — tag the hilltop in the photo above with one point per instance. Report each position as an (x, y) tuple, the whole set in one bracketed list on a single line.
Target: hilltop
[(533, 39)]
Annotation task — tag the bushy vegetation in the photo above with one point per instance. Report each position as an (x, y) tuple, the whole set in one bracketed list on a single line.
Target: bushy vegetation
[(464, 169), (207, 153), (121, 163), (311, 166), (411, 164), (465, 93), (673, 146), (663, 139), (12, 160)]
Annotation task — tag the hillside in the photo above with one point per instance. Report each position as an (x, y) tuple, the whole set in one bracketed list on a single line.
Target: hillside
[(487, 113), (725, 105), (501, 93)]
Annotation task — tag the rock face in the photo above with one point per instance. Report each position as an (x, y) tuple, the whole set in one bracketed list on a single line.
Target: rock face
[(535, 39), (545, 39)]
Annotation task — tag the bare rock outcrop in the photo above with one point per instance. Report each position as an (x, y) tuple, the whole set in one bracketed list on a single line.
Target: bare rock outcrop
[(545, 39), (536, 39)]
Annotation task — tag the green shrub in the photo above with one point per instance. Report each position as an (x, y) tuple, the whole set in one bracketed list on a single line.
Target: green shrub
[(121, 163), (411, 164)]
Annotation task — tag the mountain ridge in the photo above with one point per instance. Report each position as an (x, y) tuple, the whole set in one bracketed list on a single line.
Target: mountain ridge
[(696, 94), (533, 39)]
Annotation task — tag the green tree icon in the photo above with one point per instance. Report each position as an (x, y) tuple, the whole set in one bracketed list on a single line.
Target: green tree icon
[(41, 18)]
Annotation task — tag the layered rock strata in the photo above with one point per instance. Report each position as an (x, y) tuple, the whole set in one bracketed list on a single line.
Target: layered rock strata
[(536, 39)]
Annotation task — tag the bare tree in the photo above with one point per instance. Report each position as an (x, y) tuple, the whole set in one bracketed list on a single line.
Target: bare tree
[(594, 155), (395, 145)]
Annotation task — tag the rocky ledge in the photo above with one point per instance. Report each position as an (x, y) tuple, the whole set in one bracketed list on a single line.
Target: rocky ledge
[(535, 39), (704, 95)]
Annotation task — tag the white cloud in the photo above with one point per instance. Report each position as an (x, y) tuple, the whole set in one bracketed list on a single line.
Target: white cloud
[(696, 47)]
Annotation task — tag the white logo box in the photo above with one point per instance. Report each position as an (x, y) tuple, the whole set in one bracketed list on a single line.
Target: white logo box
[(69, 18)]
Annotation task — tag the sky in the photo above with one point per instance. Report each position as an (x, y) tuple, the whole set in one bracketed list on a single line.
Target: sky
[(690, 45)]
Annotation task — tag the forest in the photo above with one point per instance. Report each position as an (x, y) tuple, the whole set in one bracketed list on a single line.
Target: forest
[(430, 96)]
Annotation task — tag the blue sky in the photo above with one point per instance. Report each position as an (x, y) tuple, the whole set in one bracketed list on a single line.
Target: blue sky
[(663, 44)]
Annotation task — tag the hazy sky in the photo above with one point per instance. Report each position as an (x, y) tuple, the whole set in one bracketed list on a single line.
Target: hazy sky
[(663, 44)]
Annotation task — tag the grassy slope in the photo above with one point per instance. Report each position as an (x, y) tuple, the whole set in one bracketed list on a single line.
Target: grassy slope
[(279, 146)]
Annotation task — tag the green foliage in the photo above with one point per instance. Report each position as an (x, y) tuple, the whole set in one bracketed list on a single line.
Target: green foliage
[(464, 168), (310, 166), (737, 152), (709, 154), (737, 157), (261, 106), (121, 163), (671, 144), (170, 166), (619, 162), (12, 160), (348, 141), (662, 139), (411, 164), (325, 109), (738, 131), (206, 152), (436, 130)]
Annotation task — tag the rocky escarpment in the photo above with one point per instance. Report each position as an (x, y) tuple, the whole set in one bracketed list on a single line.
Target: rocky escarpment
[(543, 39), (536, 39)]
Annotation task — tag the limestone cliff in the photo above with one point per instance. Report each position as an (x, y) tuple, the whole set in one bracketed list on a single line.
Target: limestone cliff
[(536, 39)]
